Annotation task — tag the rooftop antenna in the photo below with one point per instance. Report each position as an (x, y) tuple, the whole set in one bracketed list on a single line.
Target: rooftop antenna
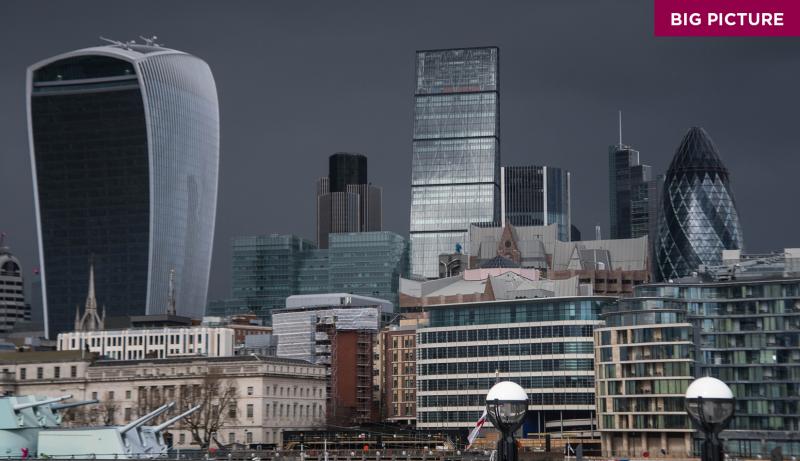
[(597, 232), (620, 128), (125, 45), (150, 41)]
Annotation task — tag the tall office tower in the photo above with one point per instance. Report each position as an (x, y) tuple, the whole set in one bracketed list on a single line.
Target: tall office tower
[(267, 269), (629, 192), (536, 196), (125, 151), (346, 202), (698, 217), (12, 304), (456, 165)]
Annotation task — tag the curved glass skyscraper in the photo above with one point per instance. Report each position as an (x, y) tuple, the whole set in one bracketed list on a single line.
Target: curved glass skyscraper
[(125, 155), (698, 217)]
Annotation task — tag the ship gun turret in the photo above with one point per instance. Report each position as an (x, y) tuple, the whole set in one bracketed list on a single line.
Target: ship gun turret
[(153, 437), (22, 417), (133, 440)]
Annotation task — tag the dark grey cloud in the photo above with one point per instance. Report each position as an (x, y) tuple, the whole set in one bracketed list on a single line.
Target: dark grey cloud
[(300, 80)]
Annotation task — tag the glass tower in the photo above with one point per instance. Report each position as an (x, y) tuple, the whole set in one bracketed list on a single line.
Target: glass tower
[(456, 151), (698, 217), (124, 152), (537, 196), (630, 187), (269, 268)]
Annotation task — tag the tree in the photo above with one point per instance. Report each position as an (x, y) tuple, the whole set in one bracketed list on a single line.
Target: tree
[(218, 397)]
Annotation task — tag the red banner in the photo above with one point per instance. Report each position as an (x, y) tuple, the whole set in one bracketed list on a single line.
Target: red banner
[(727, 18)]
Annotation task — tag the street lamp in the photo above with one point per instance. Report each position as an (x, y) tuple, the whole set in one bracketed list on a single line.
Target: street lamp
[(506, 404), (710, 404)]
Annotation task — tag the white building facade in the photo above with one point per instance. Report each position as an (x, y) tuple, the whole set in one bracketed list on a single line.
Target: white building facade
[(140, 343)]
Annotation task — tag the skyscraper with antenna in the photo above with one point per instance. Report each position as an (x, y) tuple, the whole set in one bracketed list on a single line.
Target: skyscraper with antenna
[(630, 187)]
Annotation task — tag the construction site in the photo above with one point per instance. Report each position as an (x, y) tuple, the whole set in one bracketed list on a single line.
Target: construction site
[(338, 332)]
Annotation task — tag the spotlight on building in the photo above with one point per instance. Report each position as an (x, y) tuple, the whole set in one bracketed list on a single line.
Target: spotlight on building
[(506, 404), (710, 404)]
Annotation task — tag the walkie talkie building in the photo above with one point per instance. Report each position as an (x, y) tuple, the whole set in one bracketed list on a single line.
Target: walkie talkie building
[(698, 218), (124, 146)]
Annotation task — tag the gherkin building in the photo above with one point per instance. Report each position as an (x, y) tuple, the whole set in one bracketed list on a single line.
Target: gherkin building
[(698, 217)]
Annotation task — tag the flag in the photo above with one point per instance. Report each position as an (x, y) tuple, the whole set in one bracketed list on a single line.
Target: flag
[(477, 429)]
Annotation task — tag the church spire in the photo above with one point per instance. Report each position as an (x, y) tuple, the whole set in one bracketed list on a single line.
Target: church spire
[(90, 320), (91, 300)]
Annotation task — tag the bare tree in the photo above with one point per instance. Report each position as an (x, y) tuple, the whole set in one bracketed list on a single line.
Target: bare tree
[(107, 411), (218, 398)]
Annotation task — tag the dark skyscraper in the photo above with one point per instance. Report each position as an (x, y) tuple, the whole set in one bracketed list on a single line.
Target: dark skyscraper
[(346, 202), (346, 168), (698, 218), (456, 151), (125, 151), (630, 186), (536, 196)]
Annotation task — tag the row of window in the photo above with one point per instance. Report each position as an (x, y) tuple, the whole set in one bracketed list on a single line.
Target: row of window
[(505, 366), (505, 350), (479, 400), (40, 373), (483, 384), (505, 333)]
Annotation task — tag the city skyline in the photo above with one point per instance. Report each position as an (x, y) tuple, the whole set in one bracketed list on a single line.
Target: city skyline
[(562, 90)]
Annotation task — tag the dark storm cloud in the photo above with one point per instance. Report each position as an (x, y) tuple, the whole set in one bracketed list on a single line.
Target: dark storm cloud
[(300, 80)]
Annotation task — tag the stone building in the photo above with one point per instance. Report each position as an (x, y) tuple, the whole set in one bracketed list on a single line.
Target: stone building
[(272, 395)]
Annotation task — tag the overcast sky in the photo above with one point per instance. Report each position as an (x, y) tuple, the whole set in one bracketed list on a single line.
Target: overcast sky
[(298, 81)]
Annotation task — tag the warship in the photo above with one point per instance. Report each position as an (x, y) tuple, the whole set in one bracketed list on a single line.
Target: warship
[(31, 426), (131, 441), (22, 418)]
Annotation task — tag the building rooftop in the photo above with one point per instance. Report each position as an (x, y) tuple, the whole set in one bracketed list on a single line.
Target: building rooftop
[(178, 360), (45, 356)]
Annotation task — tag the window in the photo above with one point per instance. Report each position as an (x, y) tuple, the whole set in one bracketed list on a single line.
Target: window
[(248, 437), (22, 373), (57, 372), (250, 390), (94, 395), (39, 372), (110, 395), (128, 413), (73, 371), (249, 410), (127, 394), (231, 437), (232, 410), (182, 438)]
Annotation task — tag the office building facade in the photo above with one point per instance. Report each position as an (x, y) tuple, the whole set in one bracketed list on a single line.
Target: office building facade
[(338, 331), (536, 196), (630, 191), (13, 307), (125, 152), (543, 344), (456, 151), (346, 202), (698, 217), (268, 269)]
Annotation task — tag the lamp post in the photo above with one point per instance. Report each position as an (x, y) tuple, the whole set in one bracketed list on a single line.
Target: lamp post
[(506, 404), (710, 404)]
